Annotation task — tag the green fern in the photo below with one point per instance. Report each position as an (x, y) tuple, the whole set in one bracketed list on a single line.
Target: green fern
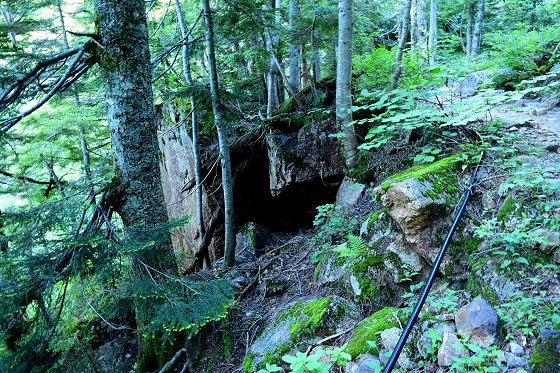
[(353, 248)]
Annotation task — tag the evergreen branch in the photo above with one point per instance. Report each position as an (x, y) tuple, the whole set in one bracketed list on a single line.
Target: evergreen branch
[(25, 178), (17, 89)]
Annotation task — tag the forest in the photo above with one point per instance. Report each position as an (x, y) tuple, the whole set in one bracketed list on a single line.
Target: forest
[(266, 186)]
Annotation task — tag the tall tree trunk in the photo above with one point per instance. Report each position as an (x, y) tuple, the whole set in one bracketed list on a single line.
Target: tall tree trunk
[(304, 65), (124, 61), (10, 22), (422, 21), (477, 37), (271, 92), (194, 118), (315, 53), (62, 23), (344, 82), (403, 37), (413, 24), (66, 43), (221, 125), (470, 28), (432, 38), (293, 19)]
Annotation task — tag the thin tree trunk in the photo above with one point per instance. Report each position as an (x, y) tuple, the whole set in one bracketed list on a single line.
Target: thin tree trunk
[(304, 66), (194, 117), (470, 28), (66, 43), (294, 55), (10, 22), (315, 53), (132, 122), (271, 91), (432, 38), (413, 24), (403, 37), (477, 37), (422, 21), (344, 82), (85, 154), (219, 121)]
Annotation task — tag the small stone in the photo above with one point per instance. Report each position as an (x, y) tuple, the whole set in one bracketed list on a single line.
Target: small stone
[(556, 256), (365, 363), (450, 348), (515, 348), (445, 317), (514, 361), (389, 339), (477, 321), (425, 340)]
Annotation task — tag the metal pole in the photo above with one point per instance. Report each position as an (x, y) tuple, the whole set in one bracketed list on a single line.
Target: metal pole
[(412, 320)]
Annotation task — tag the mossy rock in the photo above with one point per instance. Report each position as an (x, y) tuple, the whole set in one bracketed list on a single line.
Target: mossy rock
[(366, 336), (485, 282), (298, 325), (546, 356), (441, 174), (508, 208)]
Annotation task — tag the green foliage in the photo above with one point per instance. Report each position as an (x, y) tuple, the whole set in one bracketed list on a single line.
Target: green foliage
[(517, 55), (480, 361), (333, 225), (314, 363)]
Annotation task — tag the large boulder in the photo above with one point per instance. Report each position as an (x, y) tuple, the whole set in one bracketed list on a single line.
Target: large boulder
[(306, 155), (470, 84), (298, 325), (420, 201)]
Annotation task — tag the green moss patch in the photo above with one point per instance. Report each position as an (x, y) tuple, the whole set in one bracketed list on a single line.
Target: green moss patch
[(370, 330), (546, 357), (439, 173), (508, 207)]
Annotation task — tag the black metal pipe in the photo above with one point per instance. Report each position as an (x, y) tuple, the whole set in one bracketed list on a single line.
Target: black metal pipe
[(412, 320)]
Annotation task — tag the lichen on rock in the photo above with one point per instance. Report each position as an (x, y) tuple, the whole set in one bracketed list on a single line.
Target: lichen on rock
[(298, 324)]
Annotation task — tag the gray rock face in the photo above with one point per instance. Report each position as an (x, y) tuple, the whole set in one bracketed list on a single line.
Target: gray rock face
[(409, 206), (469, 85), (515, 348), (349, 193), (477, 321), (309, 154), (363, 364), (293, 327), (450, 347), (118, 355)]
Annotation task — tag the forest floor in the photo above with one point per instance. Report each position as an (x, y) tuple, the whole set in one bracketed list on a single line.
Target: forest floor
[(286, 271)]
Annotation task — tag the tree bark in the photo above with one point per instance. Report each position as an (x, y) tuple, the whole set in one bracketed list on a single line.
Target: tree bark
[(470, 27), (194, 117), (125, 65), (315, 53), (477, 36), (219, 121), (422, 22), (432, 37), (304, 66), (413, 24), (344, 82), (403, 37), (293, 19)]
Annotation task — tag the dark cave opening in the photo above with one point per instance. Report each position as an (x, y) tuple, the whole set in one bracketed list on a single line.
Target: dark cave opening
[(292, 210)]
